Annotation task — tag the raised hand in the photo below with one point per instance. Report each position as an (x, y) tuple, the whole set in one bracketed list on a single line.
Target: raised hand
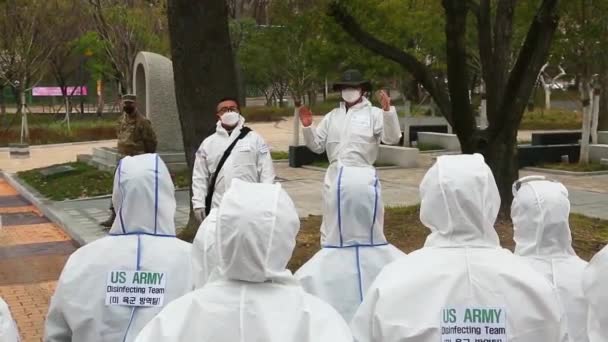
[(385, 100), (305, 116)]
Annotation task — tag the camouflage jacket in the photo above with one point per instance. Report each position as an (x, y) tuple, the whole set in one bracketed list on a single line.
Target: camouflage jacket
[(135, 135)]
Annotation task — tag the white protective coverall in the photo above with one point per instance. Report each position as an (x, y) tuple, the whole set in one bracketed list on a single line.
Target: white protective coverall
[(351, 138), (252, 296), (462, 282), (143, 239), (595, 287), (540, 212), (250, 160), (355, 249), (204, 254), (8, 327)]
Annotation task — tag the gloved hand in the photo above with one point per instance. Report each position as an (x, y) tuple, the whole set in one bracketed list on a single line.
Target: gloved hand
[(199, 214)]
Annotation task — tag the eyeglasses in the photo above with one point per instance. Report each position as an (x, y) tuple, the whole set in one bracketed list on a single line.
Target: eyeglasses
[(518, 183), (228, 109)]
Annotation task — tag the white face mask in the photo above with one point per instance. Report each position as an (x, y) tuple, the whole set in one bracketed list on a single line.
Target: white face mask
[(230, 119), (351, 95)]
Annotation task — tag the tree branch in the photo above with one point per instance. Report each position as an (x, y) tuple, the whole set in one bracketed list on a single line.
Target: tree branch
[(486, 49), (522, 79), (501, 59), (420, 71), (458, 75)]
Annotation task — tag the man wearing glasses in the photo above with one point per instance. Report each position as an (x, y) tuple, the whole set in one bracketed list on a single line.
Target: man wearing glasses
[(233, 151)]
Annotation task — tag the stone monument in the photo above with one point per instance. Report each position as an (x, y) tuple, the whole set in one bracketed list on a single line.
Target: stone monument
[(154, 87)]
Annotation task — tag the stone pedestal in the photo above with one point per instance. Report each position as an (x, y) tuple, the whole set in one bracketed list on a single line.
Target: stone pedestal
[(154, 87)]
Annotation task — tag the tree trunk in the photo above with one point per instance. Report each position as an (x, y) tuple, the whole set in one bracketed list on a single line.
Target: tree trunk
[(547, 97), (100, 100), (586, 97), (204, 69), (2, 103), (242, 86), (603, 114), (501, 156), (595, 115)]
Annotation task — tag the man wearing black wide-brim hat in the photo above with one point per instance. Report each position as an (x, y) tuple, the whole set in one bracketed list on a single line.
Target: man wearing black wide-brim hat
[(351, 134)]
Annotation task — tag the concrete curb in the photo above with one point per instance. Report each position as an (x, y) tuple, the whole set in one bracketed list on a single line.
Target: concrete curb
[(565, 173), (42, 203), (6, 149)]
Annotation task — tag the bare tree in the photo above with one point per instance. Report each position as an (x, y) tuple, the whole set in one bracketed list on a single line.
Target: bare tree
[(127, 27), (25, 45), (65, 62)]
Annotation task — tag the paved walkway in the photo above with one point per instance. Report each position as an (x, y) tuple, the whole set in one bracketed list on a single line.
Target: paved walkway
[(32, 254), (45, 155)]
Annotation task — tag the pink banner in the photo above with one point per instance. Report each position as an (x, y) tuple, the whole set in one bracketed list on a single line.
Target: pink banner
[(56, 91)]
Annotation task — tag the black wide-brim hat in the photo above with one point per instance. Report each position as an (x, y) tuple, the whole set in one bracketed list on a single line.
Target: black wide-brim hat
[(352, 79)]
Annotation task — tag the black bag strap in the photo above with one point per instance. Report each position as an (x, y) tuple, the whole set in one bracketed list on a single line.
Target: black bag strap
[(211, 189)]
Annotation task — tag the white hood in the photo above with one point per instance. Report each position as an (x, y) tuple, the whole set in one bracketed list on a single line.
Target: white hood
[(595, 283), (143, 197), (540, 212), (460, 202), (355, 215), (256, 250)]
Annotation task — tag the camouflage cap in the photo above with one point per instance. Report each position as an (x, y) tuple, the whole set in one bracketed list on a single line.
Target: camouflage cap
[(129, 98)]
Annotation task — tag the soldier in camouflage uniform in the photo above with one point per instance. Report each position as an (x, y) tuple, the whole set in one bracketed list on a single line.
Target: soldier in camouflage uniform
[(135, 136)]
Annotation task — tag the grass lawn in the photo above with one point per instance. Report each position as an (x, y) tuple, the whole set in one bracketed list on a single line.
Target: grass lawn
[(84, 181), (49, 129), (576, 167), (279, 155), (402, 228), (552, 119)]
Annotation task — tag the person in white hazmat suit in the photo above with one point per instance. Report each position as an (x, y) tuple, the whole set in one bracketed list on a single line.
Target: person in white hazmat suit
[(540, 212), (595, 287), (351, 134), (251, 296), (355, 249), (461, 285), (248, 160), (99, 294), (8, 327), (204, 255)]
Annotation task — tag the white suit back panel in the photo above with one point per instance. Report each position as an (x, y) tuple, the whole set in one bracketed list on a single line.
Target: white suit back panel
[(142, 238), (355, 248), (81, 292), (398, 309), (341, 276), (241, 311)]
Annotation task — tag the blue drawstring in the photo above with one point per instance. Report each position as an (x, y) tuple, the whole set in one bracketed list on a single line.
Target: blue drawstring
[(359, 274), (375, 210), (340, 205), (356, 245), (142, 233), (156, 195), (122, 198)]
